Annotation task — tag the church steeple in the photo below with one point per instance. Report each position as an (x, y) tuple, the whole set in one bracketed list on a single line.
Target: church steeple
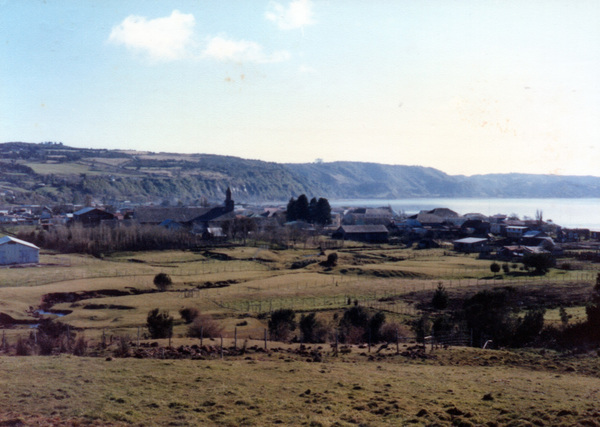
[(229, 204)]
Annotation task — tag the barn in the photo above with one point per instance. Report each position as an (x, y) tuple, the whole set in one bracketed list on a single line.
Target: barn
[(15, 251)]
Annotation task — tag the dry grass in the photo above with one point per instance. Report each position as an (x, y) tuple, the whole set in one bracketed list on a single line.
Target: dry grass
[(279, 388)]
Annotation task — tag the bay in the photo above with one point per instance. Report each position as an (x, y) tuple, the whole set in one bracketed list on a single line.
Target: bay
[(569, 213)]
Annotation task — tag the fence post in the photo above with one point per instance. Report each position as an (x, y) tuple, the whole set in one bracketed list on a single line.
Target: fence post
[(221, 346), (397, 344), (138, 337), (235, 339), (265, 338)]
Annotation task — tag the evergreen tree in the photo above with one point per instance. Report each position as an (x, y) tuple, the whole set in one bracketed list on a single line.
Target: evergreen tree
[(290, 214), (323, 212), (302, 208), (312, 210)]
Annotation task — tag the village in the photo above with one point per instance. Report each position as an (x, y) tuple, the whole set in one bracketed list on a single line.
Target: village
[(501, 236)]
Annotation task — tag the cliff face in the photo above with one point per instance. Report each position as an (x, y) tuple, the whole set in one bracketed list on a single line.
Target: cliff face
[(55, 173)]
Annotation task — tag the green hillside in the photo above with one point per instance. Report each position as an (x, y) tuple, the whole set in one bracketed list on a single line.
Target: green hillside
[(56, 173)]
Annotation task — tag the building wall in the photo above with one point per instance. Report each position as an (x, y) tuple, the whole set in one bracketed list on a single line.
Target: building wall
[(14, 253)]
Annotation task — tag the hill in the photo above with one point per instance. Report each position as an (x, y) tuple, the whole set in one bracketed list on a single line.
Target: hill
[(56, 173)]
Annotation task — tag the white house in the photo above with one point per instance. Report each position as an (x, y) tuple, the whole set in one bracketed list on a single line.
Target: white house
[(15, 251)]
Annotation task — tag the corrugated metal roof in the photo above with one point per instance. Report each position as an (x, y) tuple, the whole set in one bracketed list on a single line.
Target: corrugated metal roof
[(8, 239)]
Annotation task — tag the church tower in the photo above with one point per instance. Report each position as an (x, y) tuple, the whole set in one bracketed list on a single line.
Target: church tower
[(228, 201)]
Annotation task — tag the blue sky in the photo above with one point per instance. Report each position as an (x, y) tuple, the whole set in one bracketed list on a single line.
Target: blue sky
[(467, 87)]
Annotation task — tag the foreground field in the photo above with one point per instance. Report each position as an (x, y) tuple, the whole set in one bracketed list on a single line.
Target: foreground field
[(110, 298), (455, 387)]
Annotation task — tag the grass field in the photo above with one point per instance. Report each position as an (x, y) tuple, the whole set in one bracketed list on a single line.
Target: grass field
[(238, 287), (453, 387)]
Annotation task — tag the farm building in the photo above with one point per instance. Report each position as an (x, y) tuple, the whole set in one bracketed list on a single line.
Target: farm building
[(471, 244), (15, 251), (362, 233)]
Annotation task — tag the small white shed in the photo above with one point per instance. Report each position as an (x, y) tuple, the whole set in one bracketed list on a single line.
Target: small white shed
[(16, 251)]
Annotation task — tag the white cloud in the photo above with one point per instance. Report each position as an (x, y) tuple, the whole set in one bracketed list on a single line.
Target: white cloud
[(240, 51), (297, 14), (165, 39)]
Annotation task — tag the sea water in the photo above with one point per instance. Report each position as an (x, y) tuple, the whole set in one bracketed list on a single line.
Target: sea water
[(570, 213)]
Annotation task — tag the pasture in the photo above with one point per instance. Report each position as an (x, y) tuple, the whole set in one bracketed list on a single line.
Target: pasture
[(239, 287)]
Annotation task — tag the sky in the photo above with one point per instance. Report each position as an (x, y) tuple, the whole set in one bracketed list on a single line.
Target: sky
[(467, 87)]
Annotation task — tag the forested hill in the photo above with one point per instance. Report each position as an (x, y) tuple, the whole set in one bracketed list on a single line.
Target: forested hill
[(52, 173)]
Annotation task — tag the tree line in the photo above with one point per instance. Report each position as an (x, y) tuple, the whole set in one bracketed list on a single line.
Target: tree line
[(314, 212)]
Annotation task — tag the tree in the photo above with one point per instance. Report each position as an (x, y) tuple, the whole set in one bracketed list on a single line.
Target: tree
[(323, 212), (312, 209), (593, 309), (529, 328), (440, 298), (290, 213), (374, 327), (159, 324), (495, 268), (302, 208), (312, 329), (282, 323), (488, 315), (162, 281), (540, 262)]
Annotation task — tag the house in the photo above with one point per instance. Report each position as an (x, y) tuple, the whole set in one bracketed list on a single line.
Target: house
[(92, 216), (471, 245), (362, 233), (516, 231), (16, 251), (515, 252)]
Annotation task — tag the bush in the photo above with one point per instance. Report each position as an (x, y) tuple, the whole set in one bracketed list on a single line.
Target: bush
[(204, 326), (189, 314), (391, 331), (281, 324), (506, 268), (22, 347), (440, 298), (540, 262), (312, 329), (332, 259), (123, 346), (162, 281), (80, 347), (160, 324), (495, 268)]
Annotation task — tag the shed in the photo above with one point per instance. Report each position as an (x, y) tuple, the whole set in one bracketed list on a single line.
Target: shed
[(16, 251)]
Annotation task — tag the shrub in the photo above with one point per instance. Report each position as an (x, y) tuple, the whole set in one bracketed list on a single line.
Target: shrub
[(204, 326), (506, 268), (391, 331), (374, 326), (281, 324), (123, 346), (160, 324), (495, 268), (80, 347), (312, 329), (440, 298), (162, 281), (529, 328), (22, 348), (540, 262), (189, 314), (332, 259)]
